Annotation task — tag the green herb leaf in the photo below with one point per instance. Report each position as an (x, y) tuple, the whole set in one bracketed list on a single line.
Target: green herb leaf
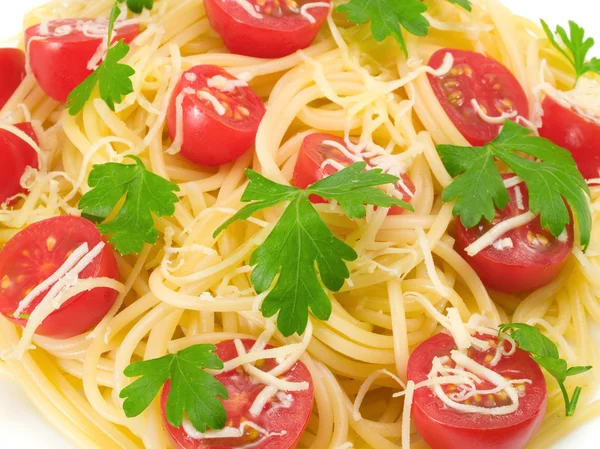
[(137, 6), (545, 353), (464, 3), (301, 251), (193, 391), (551, 179), (388, 17), (576, 47), (145, 193)]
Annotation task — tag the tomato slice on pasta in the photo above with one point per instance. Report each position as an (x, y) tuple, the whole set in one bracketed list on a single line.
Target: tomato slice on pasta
[(267, 28), (278, 425), (12, 72), (34, 254), (62, 52), (476, 79), (312, 166), (219, 117), (15, 156), (444, 427), (530, 257)]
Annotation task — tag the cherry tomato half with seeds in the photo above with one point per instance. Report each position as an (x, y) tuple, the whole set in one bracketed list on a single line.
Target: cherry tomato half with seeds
[(35, 253), (280, 423), (267, 28), (15, 156), (310, 166), (443, 427), (220, 115), (532, 259), (476, 77), (60, 51), (580, 135), (12, 72)]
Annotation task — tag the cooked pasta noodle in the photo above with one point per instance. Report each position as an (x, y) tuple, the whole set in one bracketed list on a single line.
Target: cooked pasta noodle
[(192, 288)]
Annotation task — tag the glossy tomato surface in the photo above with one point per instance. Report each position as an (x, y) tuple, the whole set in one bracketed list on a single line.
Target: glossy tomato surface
[(315, 150), (59, 55), (266, 28), (35, 253), (211, 137), (15, 156), (12, 72), (445, 428), (285, 416), (476, 77), (579, 135), (535, 260)]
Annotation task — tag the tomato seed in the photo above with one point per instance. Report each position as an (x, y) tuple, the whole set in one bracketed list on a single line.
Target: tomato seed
[(50, 243), (6, 282)]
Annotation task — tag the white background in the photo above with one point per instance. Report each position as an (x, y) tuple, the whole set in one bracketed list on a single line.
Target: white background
[(21, 426)]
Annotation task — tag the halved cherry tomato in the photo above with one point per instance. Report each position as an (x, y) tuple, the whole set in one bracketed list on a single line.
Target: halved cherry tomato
[(15, 156), (12, 72), (283, 419), (445, 428), (535, 259), (219, 123), (566, 128), (59, 54), (309, 166), (266, 28), (476, 77), (35, 253)]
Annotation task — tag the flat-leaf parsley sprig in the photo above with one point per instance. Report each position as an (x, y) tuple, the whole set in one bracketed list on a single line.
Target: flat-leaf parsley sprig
[(301, 249), (145, 193), (545, 353), (389, 17), (576, 48), (551, 178), (193, 391), (112, 77)]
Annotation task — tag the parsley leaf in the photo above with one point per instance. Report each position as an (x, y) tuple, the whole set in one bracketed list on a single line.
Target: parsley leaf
[(112, 78), (301, 249), (545, 353), (145, 193), (193, 391), (551, 179), (464, 3), (576, 47), (388, 16)]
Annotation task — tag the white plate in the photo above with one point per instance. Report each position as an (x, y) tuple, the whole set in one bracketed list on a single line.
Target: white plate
[(22, 426)]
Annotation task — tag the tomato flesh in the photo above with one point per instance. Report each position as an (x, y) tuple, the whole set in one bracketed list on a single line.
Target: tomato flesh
[(59, 56), (35, 253), (566, 128), (310, 169), (284, 417), (445, 428), (15, 156), (476, 77), (12, 72), (210, 137), (535, 260), (274, 28)]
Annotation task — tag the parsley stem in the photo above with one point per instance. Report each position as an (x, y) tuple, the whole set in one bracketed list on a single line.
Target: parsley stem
[(574, 400)]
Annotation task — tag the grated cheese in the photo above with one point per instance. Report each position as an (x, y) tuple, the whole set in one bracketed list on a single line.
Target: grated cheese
[(228, 432), (498, 231), (429, 264), (519, 198), (247, 6), (512, 182), (219, 108), (304, 10), (225, 84), (499, 120), (262, 399), (502, 244)]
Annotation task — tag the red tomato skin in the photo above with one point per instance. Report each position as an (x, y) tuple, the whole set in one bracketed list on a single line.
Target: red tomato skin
[(442, 428), (308, 168), (262, 38), (210, 139), (82, 312), (59, 64), (569, 130), (476, 86), (520, 269), (12, 72), (15, 155), (294, 420)]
